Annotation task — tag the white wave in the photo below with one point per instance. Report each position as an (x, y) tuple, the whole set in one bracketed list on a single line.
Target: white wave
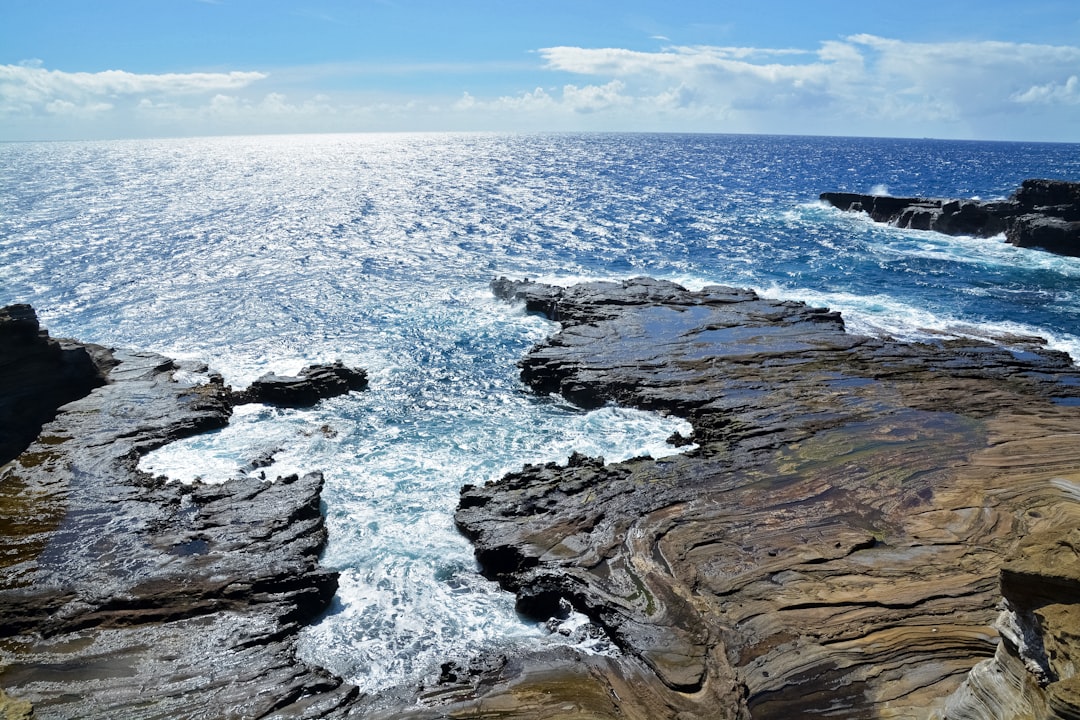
[(393, 493), (394, 458), (883, 315), (254, 432), (985, 252)]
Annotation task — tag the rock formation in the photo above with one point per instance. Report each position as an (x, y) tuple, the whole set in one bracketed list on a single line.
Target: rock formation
[(127, 596), (37, 375), (123, 595), (844, 537), (1042, 214), (314, 383)]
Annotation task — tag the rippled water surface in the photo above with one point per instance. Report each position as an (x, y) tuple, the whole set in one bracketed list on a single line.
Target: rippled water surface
[(267, 253)]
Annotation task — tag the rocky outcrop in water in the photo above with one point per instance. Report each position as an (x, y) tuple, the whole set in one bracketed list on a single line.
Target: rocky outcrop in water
[(314, 383), (1042, 214), (127, 596), (844, 537)]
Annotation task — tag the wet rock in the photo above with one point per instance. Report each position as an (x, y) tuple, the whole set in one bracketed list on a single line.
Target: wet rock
[(314, 383), (833, 545), (124, 595), (1058, 198), (1042, 214), (1047, 233)]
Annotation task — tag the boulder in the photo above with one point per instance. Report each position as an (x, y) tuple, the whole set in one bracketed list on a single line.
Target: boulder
[(314, 383)]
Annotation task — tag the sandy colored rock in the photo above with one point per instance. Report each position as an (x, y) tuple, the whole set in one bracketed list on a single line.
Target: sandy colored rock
[(834, 543)]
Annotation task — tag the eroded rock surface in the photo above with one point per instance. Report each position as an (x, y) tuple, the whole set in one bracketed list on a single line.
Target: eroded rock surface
[(126, 596), (1042, 214), (833, 546)]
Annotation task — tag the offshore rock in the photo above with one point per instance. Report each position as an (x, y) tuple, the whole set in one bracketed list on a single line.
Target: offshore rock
[(1042, 214), (835, 544), (314, 383), (124, 595)]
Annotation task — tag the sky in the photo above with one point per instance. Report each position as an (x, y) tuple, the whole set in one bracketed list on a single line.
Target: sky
[(956, 69)]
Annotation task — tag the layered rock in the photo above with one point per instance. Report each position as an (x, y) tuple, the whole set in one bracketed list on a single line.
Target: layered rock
[(124, 595), (833, 544), (1034, 672), (1042, 214)]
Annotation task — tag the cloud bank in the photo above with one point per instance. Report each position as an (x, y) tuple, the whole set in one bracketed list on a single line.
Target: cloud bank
[(858, 85), (863, 84), (29, 88)]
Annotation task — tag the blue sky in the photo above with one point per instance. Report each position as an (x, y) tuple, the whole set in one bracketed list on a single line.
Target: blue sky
[(74, 69)]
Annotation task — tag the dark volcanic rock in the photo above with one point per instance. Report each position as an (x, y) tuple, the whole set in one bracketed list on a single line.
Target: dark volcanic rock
[(833, 546), (314, 383), (37, 375), (1042, 214), (126, 596), (1046, 233), (1058, 198)]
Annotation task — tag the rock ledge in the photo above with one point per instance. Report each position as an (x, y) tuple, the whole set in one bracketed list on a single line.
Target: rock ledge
[(840, 541), (1042, 214), (124, 595)]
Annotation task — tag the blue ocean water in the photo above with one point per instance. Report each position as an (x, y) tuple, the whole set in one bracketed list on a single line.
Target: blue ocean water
[(268, 253)]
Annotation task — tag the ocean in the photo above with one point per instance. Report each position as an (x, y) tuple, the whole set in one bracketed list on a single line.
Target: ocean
[(258, 254)]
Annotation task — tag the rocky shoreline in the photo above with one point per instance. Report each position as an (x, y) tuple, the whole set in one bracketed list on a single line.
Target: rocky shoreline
[(1042, 214), (125, 595), (864, 528)]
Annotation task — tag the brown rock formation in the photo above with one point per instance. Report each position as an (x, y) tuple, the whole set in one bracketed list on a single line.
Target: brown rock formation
[(833, 546), (866, 529)]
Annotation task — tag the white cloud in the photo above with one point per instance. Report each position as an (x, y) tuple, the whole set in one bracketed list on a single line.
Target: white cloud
[(1067, 93), (29, 87), (859, 85), (595, 98), (862, 84), (63, 107), (467, 102), (532, 102)]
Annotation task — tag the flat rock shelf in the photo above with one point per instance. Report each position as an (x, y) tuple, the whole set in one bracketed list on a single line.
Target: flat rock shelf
[(862, 524)]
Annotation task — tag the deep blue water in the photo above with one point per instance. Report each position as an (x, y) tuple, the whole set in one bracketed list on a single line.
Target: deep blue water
[(266, 253)]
